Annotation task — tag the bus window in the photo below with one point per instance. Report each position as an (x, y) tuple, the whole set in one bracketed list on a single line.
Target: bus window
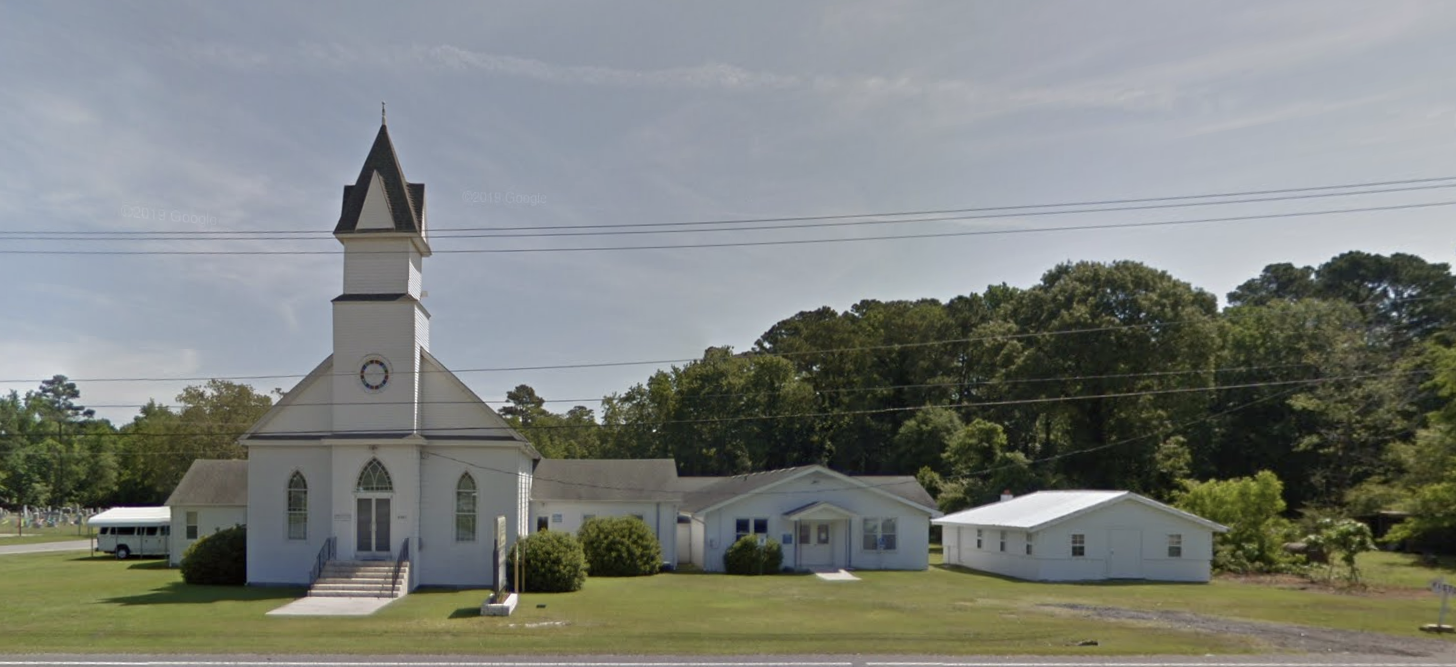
[(105, 530), (126, 530), (151, 530)]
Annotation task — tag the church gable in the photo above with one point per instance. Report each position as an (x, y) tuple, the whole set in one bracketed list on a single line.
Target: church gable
[(450, 410), (305, 410)]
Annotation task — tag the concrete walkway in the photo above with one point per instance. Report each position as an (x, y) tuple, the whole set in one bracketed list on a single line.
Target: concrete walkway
[(320, 606), (835, 575), (44, 547)]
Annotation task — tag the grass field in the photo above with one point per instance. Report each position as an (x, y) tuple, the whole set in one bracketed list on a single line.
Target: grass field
[(75, 603), (10, 535)]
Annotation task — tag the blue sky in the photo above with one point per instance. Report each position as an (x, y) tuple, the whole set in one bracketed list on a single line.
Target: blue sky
[(537, 114)]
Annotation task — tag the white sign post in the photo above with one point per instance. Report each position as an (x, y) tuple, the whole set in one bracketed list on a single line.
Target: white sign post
[(1445, 589)]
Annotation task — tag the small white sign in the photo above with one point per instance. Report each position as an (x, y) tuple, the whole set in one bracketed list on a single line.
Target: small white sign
[(1440, 586)]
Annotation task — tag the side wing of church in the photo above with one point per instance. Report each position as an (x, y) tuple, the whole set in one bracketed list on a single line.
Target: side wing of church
[(381, 447)]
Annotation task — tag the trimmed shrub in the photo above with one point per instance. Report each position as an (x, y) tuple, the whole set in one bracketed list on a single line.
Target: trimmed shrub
[(553, 563), (620, 546), (746, 557), (219, 559)]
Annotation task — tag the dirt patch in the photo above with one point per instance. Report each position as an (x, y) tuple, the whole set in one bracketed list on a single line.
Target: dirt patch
[(1283, 636)]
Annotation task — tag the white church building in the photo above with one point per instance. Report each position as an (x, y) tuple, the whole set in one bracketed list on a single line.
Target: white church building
[(381, 471), (381, 453)]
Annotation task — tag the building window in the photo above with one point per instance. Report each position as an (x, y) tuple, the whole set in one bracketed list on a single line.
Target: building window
[(374, 478), (297, 508), (879, 534), (979, 535), (191, 525), (641, 518), (1028, 544), (587, 517), (1079, 545), (742, 527), (1003, 540), (822, 534), (1175, 546), (465, 509)]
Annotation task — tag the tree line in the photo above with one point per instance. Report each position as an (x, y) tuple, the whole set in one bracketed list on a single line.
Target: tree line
[(1340, 379)]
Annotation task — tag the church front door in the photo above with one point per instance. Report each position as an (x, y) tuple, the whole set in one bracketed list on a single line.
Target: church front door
[(373, 528)]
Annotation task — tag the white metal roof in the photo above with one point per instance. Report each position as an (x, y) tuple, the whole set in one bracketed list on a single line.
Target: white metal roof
[(1038, 510), (132, 516)]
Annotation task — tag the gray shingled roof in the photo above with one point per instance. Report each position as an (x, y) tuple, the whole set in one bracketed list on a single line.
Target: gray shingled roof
[(406, 200), (646, 480), (212, 483), (703, 492)]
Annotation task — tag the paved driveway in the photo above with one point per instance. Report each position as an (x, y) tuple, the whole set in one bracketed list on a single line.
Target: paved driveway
[(45, 547)]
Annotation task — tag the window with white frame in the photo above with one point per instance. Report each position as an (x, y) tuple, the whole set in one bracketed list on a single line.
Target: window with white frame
[(191, 525), (1028, 544), (1003, 540), (749, 526), (465, 497), (1079, 545), (1175, 546), (979, 534), (297, 507), (879, 534)]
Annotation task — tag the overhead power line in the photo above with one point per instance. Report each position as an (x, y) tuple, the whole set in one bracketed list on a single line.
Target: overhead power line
[(680, 228), (844, 390), (781, 242), (808, 218), (608, 364), (307, 434)]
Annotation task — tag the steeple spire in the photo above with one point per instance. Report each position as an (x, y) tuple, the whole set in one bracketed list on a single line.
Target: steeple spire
[(401, 203), (381, 114)]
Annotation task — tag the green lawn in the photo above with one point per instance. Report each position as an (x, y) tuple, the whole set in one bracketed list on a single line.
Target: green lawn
[(1394, 570), (73, 603), (10, 535)]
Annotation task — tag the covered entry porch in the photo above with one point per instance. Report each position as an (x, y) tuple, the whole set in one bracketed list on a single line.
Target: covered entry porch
[(822, 537)]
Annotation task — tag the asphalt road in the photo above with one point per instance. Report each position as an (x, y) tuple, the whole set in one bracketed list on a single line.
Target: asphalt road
[(44, 547), (700, 661)]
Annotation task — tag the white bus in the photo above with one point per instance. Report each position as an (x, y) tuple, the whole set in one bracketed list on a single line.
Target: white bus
[(133, 531)]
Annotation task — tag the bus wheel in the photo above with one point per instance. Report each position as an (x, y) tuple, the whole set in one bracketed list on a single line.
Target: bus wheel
[(122, 552)]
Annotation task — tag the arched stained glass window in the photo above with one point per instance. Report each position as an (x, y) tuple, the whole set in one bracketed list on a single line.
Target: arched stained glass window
[(375, 479), (297, 507), (465, 495)]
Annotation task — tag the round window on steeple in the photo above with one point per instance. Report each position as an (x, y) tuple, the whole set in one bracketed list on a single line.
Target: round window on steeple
[(374, 373)]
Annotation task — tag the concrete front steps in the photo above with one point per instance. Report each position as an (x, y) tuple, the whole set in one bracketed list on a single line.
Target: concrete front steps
[(360, 579)]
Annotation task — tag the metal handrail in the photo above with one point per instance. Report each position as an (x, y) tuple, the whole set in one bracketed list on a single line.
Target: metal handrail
[(326, 553), (398, 565)]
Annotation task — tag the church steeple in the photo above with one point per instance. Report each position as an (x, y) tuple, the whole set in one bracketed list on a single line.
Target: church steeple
[(381, 200)]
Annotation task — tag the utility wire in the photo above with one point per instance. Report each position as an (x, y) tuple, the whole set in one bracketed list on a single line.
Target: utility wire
[(867, 388), (607, 364), (781, 242), (306, 434), (328, 236), (805, 218)]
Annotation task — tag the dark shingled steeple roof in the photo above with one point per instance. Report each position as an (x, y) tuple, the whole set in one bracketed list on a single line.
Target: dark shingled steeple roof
[(406, 200)]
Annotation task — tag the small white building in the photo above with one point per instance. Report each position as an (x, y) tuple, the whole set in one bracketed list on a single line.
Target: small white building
[(823, 519), (213, 495), (1079, 536), (567, 492)]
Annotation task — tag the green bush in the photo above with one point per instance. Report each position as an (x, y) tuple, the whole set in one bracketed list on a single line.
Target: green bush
[(746, 557), (620, 546), (553, 563), (218, 559)]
